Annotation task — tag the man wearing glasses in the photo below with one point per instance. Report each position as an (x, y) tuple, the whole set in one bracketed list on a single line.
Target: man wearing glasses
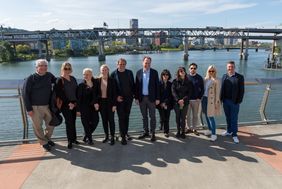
[(195, 100), (36, 94)]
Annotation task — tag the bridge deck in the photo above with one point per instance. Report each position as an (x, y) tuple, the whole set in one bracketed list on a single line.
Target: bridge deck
[(194, 162)]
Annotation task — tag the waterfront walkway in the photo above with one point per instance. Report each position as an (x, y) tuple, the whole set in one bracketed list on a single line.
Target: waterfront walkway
[(194, 162)]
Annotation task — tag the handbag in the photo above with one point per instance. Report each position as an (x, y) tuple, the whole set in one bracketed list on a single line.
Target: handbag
[(56, 120)]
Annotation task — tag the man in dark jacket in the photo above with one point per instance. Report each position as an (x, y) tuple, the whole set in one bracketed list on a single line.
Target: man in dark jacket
[(125, 93), (147, 95), (232, 93), (36, 94)]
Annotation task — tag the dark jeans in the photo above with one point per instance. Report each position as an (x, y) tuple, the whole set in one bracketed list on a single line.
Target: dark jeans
[(89, 119), (107, 117), (180, 116), (70, 117), (146, 105), (123, 111), (231, 111), (164, 119)]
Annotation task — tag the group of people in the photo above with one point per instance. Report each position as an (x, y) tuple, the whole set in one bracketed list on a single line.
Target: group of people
[(113, 92)]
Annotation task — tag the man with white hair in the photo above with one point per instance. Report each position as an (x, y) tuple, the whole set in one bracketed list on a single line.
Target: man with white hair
[(37, 90)]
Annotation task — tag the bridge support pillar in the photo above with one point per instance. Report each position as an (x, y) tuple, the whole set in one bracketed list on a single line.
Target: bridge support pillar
[(246, 54), (186, 44), (101, 56), (273, 50), (241, 49), (39, 47)]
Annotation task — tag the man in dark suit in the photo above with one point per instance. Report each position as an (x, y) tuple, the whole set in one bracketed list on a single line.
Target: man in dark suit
[(232, 93), (147, 95)]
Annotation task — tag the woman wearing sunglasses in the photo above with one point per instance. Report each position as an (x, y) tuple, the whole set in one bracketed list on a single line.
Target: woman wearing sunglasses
[(211, 100), (66, 90)]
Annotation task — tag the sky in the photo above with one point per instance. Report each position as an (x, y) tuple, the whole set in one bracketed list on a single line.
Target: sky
[(87, 14)]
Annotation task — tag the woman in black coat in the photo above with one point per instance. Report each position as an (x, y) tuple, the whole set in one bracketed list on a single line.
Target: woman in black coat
[(181, 92), (87, 98), (166, 101)]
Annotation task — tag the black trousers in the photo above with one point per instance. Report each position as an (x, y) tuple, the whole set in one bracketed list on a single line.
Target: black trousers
[(180, 115), (107, 117), (70, 117), (164, 119), (123, 111), (89, 119)]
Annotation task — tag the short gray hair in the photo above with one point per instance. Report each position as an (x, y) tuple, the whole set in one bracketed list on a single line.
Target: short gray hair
[(41, 62)]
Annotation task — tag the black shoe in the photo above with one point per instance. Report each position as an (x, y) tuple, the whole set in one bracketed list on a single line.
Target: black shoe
[(182, 135), (76, 142), (128, 137), (112, 141), (51, 143), (69, 145), (196, 132), (105, 140), (177, 135), (153, 138), (188, 131), (123, 141), (166, 135), (90, 142), (144, 135), (46, 147), (85, 139)]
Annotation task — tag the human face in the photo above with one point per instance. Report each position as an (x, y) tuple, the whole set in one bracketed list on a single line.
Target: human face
[(87, 75), (230, 69), (67, 69), (212, 72), (181, 73), (165, 77), (104, 71), (121, 66), (41, 68), (146, 63), (193, 69)]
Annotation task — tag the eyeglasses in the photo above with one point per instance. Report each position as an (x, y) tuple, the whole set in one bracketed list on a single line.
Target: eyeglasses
[(67, 68), (193, 68), (211, 71), (181, 71)]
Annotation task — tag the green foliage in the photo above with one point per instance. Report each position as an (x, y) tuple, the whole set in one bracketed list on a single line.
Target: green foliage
[(6, 52), (23, 49)]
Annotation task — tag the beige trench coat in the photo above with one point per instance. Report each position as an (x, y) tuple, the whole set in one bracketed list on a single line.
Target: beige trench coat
[(214, 103)]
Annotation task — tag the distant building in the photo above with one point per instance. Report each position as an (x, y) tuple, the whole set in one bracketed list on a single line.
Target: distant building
[(159, 38), (219, 40), (58, 44), (78, 44), (133, 24), (233, 40)]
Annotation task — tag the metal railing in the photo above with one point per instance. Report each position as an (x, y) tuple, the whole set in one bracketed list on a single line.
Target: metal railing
[(12, 110)]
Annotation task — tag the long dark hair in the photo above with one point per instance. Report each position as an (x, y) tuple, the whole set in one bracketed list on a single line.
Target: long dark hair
[(177, 73)]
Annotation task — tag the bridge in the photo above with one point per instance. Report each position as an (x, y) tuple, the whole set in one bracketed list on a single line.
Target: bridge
[(105, 34)]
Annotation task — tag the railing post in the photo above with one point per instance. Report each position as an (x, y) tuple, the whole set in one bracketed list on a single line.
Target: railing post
[(264, 103), (24, 116)]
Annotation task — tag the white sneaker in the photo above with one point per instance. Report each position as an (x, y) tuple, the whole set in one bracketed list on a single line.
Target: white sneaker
[(207, 132), (213, 138), (225, 133), (235, 139)]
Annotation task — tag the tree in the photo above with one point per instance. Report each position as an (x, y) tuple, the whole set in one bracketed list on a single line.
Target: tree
[(6, 52)]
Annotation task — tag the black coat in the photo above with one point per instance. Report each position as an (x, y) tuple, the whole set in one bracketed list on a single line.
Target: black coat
[(166, 94), (111, 91), (181, 89)]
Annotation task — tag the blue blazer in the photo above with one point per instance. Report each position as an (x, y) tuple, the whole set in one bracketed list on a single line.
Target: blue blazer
[(154, 92)]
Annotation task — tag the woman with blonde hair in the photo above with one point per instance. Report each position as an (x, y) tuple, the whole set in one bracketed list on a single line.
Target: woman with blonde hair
[(211, 105), (65, 88), (107, 102)]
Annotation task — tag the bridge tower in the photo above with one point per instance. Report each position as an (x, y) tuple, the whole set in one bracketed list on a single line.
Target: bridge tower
[(101, 56), (186, 45)]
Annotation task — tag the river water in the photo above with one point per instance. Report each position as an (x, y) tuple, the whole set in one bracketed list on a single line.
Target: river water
[(10, 117)]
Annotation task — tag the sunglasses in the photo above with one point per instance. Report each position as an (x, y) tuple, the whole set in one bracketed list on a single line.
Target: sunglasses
[(211, 71), (192, 68), (67, 68)]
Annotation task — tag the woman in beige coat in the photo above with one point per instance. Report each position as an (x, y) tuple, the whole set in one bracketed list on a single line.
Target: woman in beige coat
[(211, 100)]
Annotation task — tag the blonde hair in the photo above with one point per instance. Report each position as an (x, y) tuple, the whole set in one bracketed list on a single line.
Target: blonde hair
[(104, 66), (87, 70), (208, 76), (65, 64)]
